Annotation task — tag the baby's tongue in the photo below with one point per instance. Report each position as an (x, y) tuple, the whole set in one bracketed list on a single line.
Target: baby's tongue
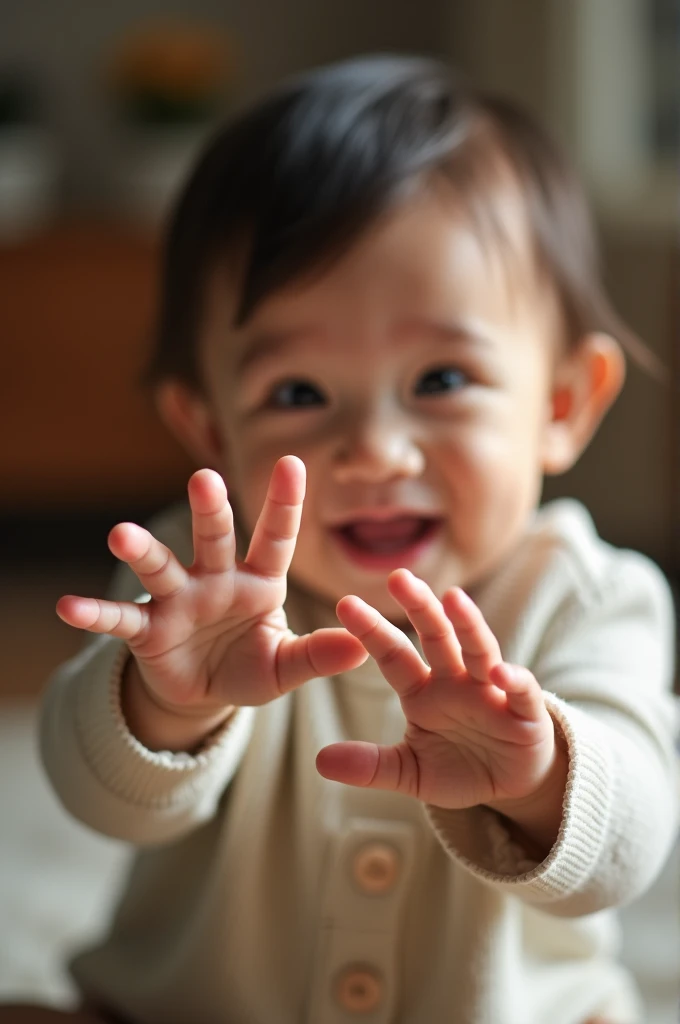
[(390, 535)]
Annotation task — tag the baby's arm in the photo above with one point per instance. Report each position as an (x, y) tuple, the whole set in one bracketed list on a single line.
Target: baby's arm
[(210, 644), (556, 778), (161, 728), (94, 751), (606, 667)]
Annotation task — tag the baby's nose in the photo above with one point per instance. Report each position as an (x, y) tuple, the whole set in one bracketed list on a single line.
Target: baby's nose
[(375, 453)]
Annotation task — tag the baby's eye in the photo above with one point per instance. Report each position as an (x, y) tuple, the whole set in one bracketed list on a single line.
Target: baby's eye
[(441, 380), (295, 394)]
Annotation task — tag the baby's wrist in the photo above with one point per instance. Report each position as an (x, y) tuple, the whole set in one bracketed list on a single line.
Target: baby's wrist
[(539, 816), (160, 726)]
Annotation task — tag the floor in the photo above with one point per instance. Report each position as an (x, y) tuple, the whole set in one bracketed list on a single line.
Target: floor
[(58, 880)]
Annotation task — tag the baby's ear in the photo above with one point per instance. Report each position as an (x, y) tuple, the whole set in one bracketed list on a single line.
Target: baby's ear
[(586, 383), (188, 416)]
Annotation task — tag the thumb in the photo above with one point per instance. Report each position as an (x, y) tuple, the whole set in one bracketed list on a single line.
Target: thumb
[(325, 652), (371, 766)]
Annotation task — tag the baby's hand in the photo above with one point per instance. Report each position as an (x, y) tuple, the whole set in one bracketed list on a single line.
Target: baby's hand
[(215, 634), (478, 731)]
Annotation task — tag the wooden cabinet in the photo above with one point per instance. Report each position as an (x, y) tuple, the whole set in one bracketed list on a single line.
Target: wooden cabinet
[(77, 308)]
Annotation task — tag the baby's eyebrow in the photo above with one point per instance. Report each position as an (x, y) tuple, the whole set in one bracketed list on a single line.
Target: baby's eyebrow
[(266, 344), (463, 330)]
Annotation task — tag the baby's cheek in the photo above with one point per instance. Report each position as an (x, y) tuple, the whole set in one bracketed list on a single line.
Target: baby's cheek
[(471, 459), (490, 456), (247, 490), (490, 485), (486, 443)]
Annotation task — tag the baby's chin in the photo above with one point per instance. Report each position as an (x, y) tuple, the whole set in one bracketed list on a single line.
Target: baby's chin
[(376, 594)]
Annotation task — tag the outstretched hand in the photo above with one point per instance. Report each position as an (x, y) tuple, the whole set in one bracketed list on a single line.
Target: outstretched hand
[(478, 731), (215, 634)]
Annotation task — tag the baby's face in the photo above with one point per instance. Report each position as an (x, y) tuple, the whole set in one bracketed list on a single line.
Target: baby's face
[(414, 381)]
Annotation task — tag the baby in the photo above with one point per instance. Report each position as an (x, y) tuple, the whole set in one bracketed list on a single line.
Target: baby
[(382, 325)]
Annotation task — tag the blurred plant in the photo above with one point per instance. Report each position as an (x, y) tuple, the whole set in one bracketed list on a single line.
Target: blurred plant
[(18, 101), (166, 73)]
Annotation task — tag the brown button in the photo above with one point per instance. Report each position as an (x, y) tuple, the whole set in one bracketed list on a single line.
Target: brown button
[(376, 868), (359, 989)]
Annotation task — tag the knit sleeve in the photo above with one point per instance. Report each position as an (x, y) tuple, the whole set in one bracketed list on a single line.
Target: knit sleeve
[(606, 668), (101, 773)]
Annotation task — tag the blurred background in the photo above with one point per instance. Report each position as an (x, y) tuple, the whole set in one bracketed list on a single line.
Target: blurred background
[(102, 109)]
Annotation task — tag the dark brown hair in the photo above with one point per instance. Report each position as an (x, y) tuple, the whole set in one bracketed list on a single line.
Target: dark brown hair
[(296, 179)]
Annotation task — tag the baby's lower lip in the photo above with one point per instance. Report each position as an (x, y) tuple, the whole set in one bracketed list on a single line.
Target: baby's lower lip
[(385, 561)]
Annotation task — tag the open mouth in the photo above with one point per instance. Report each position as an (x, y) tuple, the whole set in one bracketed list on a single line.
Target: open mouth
[(390, 543)]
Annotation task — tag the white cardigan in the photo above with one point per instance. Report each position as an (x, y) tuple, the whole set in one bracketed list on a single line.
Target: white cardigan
[(247, 903)]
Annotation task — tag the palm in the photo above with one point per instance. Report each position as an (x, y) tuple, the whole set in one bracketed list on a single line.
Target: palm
[(218, 639), (247, 668), (464, 732), (477, 729)]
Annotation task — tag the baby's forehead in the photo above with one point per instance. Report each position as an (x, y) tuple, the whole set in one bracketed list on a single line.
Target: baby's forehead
[(498, 211), (439, 254)]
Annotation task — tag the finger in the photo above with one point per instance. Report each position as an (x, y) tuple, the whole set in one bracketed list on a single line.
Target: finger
[(479, 646), (212, 522), (371, 766), (523, 692), (397, 658), (437, 636), (117, 618), (273, 541), (154, 565), (325, 652)]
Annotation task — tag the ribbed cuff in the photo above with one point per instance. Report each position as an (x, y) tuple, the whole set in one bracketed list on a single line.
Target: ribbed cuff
[(146, 778), (477, 838)]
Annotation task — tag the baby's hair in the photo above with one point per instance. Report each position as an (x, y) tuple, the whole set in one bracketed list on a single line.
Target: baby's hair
[(295, 180)]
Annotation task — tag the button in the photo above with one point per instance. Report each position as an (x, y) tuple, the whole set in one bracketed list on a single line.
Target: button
[(376, 867), (359, 989)]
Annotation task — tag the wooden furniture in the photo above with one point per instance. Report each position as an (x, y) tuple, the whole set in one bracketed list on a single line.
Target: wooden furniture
[(78, 429)]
